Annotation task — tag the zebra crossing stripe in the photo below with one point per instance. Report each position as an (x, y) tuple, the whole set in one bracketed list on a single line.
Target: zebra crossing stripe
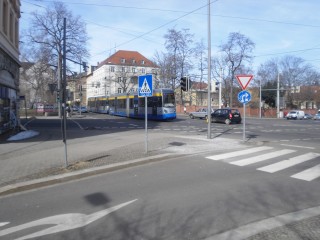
[(309, 174), (238, 153), (262, 157), (289, 162)]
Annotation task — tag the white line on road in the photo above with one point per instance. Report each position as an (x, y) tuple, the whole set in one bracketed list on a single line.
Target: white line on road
[(252, 229), (296, 146), (238, 153), (309, 174), (262, 157), (289, 162)]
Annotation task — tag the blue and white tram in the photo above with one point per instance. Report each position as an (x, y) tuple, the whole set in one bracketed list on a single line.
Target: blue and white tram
[(161, 106), (98, 104)]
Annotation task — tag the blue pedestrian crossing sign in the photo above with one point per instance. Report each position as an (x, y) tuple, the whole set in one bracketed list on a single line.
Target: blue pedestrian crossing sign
[(244, 97), (145, 86)]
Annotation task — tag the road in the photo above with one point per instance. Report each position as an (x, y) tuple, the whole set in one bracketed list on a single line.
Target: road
[(217, 194)]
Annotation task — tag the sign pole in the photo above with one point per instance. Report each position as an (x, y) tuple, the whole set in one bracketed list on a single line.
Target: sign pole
[(146, 122), (145, 90), (244, 122)]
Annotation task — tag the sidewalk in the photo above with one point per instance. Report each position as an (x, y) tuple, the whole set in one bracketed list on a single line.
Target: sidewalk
[(27, 164)]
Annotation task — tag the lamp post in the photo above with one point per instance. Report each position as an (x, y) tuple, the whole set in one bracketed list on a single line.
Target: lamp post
[(209, 74), (278, 96)]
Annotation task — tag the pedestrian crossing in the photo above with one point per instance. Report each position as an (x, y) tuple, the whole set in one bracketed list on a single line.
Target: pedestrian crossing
[(272, 160)]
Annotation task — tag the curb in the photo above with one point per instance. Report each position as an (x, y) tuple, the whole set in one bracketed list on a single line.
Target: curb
[(42, 182)]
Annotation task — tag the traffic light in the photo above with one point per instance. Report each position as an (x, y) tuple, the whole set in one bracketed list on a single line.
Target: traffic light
[(215, 87), (84, 65), (184, 83)]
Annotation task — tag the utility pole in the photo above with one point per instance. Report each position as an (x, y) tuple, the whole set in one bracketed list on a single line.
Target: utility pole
[(278, 96), (64, 129), (209, 75)]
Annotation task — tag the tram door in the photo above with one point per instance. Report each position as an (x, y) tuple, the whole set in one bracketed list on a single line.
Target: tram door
[(135, 105), (154, 102)]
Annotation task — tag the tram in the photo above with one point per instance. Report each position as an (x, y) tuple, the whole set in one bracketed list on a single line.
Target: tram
[(160, 106)]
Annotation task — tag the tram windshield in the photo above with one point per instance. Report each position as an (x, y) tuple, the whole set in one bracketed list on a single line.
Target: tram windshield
[(168, 100)]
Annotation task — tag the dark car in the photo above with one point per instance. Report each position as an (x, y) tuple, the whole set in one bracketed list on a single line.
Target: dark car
[(226, 115)]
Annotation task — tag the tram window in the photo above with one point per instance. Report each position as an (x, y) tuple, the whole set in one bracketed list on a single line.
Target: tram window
[(141, 102), (131, 103), (168, 100)]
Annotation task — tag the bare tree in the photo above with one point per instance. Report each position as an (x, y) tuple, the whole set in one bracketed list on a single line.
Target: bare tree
[(237, 51), (46, 32), (178, 45)]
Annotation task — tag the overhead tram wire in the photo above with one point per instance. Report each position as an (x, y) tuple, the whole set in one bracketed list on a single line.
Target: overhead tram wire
[(163, 25)]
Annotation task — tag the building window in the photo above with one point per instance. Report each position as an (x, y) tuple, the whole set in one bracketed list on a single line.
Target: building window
[(123, 60), (112, 69), (5, 17), (143, 70), (119, 90), (134, 70), (142, 62), (16, 34), (11, 24), (119, 79), (123, 69)]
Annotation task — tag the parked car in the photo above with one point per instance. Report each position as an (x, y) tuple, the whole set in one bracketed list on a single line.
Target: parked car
[(201, 113), (226, 115), (83, 109), (308, 116), (316, 116), (295, 114)]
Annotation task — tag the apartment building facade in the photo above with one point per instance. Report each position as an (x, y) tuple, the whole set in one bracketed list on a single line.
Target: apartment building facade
[(9, 63), (119, 74)]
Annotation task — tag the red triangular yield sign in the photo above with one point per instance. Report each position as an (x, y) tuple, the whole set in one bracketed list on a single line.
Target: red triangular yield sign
[(244, 80)]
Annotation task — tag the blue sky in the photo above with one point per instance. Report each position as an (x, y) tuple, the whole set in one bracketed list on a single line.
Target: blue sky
[(276, 27)]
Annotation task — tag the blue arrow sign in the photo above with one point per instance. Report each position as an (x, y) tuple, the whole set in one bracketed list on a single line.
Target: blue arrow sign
[(145, 86), (244, 97)]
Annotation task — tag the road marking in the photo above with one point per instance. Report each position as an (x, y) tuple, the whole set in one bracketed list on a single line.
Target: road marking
[(289, 162), (309, 174), (61, 222), (262, 157), (3, 223), (252, 229), (238, 153), (296, 146)]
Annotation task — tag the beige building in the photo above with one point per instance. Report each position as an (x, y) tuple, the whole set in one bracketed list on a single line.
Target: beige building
[(9, 63), (119, 74)]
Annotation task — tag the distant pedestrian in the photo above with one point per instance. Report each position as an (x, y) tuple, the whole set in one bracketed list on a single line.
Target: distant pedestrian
[(68, 110), (185, 110)]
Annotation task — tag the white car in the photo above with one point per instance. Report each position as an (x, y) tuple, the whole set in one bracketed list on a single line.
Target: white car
[(201, 113), (295, 114)]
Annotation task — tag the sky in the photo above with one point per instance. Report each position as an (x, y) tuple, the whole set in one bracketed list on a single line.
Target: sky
[(278, 28)]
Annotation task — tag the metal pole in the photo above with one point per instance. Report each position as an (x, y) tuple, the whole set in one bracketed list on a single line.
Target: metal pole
[(260, 99), (80, 92), (146, 123), (244, 122), (209, 74), (220, 90), (278, 96), (64, 92)]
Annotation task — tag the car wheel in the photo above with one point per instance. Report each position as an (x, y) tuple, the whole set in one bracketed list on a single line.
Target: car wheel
[(227, 121), (191, 116)]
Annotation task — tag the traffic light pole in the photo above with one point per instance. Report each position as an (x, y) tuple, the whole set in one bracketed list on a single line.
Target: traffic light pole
[(209, 75)]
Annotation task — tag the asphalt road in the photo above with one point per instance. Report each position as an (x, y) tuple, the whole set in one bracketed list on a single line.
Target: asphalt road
[(260, 188), (191, 197)]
